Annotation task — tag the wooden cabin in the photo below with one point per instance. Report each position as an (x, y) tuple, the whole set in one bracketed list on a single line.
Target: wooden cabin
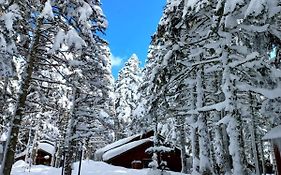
[(274, 136), (131, 153), (44, 153)]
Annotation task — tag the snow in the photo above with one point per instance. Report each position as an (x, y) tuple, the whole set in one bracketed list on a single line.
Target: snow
[(159, 149), (3, 137), (88, 167), (191, 4), (21, 154), (100, 152), (268, 93), (85, 12), (255, 7), (46, 147), (10, 16), (119, 150), (234, 150), (273, 8), (59, 39), (47, 11), (230, 5), (274, 133), (73, 39)]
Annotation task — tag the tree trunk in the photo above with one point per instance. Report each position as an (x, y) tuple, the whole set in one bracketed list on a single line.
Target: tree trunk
[(69, 141), (253, 135), (20, 107), (4, 96), (218, 152), (181, 128), (194, 137), (226, 156), (204, 149)]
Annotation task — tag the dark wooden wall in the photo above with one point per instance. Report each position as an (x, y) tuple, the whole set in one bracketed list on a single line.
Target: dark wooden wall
[(40, 158)]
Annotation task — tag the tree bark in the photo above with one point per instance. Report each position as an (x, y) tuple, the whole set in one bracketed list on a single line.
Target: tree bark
[(181, 124), (253, 135), (69, 141)]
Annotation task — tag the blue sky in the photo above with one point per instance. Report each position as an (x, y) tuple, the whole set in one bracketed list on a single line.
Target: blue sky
[(131, 24)]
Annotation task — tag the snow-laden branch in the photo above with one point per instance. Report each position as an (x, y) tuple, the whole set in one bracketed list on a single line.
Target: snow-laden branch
[(268, 93)]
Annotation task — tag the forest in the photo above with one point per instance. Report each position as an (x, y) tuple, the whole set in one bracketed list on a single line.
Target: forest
[(211, 85)]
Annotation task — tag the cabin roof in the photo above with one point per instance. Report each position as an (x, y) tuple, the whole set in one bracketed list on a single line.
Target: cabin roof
[(47, 147), (100, 152), (44, 145), (124, 148), (274, 133)]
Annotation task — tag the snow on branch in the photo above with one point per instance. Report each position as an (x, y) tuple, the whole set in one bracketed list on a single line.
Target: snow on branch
[(47, 11), (249, 58), (268, 93), (218, 107)]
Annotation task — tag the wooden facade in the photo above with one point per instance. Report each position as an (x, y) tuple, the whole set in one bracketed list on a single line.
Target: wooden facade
[(43, 158), (44, 153)]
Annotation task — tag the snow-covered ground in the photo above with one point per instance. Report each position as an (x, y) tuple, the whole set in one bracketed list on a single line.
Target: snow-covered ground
[(89, 167)]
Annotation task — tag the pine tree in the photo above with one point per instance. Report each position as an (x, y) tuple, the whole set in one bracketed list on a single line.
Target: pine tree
[(38, 50), (126, 87)]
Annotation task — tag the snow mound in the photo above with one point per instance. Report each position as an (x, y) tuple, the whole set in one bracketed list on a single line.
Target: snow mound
[(274, 133), (89, 167), (20, 164), (47, 147)]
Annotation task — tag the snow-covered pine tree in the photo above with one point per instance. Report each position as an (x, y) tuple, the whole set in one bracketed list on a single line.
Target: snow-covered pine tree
[(30, 53), (46, 20), (90, 78), (126, 89), (165, 73)]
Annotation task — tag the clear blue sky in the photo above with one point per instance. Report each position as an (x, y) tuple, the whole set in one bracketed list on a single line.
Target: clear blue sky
[(131, 25)]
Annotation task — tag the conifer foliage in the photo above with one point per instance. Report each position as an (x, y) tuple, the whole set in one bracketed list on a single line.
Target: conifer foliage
[(61, 61), (209, 67), (126, 92), (211, 84)]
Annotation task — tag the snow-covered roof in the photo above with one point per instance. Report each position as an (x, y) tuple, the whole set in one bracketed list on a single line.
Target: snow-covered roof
[(274, 133), (121, 149), (21, 154), (47, 147), (100, 152)]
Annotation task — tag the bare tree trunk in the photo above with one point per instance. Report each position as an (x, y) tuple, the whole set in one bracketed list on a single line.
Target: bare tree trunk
[(20, 107)]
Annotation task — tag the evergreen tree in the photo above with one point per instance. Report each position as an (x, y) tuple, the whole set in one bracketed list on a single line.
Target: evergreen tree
[(126, 87), (42, 47)]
